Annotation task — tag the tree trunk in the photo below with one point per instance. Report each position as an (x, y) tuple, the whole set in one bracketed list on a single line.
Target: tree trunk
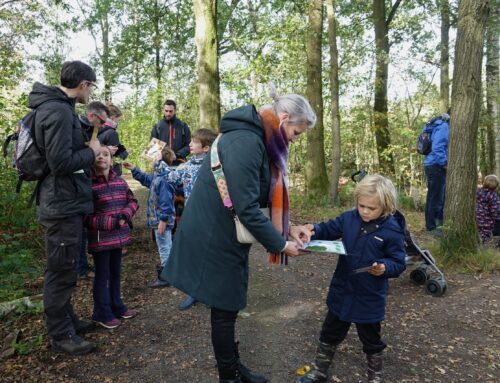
[(106, 70), (380, 118), (205, 12), (334, 91), (157, 42), (445, 56), (492, 95), (460, 220), (316, 177)]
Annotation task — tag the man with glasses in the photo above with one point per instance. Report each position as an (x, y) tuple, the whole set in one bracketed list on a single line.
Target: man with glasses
[(64, 197)]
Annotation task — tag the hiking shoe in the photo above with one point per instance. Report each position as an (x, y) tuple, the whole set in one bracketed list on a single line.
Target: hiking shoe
[(158, 283), (83, 326), (129, 314), (188, 303), (113, 323), (73, 345)]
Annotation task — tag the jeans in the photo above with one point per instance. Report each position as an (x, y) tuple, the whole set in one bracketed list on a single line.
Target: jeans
[(434, 205), (62, 244), (335, 330), (223, 340), (164, 243), (108, 303)]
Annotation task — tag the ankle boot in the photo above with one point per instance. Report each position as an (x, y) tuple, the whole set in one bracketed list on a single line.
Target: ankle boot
[(375, 367), (229, 375), (247, 375), (159, 269), (322, 362)]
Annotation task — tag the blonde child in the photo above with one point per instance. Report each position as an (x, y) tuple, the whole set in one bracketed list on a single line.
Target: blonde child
[(373, 238), (487, 209), (108, 230)]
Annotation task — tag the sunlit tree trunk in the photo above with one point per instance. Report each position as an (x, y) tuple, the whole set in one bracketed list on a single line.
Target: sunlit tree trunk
[(334, 91), (157, 46), (492, 91), (460, 221), (205, 12), (316, 177), (381, 121), (445, 56)]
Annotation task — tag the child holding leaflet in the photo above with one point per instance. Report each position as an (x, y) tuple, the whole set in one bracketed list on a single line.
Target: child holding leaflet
[(372, 237), (108, 230), (161, 212), (185, 175)]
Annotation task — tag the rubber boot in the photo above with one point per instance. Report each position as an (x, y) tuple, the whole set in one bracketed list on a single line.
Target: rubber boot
[(247, 375), (322, 362), (375, 367)]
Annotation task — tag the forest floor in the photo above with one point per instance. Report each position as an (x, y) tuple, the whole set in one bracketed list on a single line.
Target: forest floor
[(453, 338)]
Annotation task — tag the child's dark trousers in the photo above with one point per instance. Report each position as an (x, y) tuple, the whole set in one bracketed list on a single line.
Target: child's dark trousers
[(107, 301), (335, 330)]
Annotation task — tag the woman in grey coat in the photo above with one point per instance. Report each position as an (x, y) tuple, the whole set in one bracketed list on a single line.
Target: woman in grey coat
[(207, 261)]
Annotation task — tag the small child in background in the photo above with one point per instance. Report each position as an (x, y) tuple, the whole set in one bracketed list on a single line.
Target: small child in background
[(185, 175), (110, 127), (108, 230), (372, 236), (161, 212), (487, 207)]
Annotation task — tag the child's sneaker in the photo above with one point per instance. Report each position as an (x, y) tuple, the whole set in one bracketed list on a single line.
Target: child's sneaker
[(113, 323), (129, 314)]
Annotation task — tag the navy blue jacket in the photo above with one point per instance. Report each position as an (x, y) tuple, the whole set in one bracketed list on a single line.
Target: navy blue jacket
[(361, 298), (181, 135)]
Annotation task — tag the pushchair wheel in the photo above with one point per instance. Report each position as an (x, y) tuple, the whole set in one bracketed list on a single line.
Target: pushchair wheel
[(436, 287), (420, 275)]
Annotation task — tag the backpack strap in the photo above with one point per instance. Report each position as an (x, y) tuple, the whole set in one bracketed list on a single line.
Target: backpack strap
[(10, 137)]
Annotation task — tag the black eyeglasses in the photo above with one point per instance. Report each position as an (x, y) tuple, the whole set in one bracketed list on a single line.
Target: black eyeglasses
[(103, 120), (92, 84)]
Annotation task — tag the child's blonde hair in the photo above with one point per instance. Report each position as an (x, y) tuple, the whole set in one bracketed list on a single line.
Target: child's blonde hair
[(378, 186), (491, 182)]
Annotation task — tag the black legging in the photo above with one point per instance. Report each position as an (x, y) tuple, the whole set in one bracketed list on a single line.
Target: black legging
[(223, 339)]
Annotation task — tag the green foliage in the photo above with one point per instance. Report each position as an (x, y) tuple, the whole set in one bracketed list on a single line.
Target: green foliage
[(30, 345), (463, 260)]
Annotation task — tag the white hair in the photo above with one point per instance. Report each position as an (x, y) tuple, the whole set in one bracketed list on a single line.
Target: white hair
[(297, 107)]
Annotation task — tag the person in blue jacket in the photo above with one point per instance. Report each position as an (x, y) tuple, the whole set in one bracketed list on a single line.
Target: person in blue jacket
[(435, 171), (161, 211), (373, 238)]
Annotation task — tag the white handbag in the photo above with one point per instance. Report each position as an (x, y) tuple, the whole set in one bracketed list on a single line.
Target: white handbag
[(242, 233)]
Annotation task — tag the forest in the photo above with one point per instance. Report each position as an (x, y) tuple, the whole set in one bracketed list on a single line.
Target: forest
[(374, 71)]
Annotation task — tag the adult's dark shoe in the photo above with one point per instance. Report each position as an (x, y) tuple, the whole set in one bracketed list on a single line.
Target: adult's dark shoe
[(73, 345), (247, 375), (158, 283), (187, 303), (83, 326)]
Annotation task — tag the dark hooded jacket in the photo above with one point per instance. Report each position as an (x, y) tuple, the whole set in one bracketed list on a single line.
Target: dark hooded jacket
[(181, 135), (67, 190), (214, 267), (361, 298)]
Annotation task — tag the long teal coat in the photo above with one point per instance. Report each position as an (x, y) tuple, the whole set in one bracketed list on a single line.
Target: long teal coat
[(207, 262)]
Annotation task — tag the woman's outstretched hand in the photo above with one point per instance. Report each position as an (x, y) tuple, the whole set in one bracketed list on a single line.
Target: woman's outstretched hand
[(292, 249)]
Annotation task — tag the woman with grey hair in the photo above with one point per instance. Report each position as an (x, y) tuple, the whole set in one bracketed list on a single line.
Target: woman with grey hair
[(207, 261)]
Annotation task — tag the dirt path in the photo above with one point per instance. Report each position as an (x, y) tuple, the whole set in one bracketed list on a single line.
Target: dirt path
[(454, 338)]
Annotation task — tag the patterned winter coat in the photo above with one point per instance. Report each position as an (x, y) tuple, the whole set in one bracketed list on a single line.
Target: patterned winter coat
[(113, 200), (160, 197), (487, 211), (185, 175)]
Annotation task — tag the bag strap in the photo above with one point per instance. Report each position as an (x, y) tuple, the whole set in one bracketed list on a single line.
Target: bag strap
[(220, 178)]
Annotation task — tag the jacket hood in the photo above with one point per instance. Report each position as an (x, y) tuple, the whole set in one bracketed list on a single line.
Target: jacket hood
[(43, 93), (243, 118), (435, 122)]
